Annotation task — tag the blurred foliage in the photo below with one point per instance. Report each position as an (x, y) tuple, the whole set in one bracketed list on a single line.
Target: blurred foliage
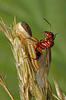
[(33, 11)]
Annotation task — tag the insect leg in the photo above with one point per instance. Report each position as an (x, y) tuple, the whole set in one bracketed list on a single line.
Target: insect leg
[(32, 53)]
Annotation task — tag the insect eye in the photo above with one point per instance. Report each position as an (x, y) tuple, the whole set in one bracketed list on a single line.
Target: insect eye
[(53, 36)]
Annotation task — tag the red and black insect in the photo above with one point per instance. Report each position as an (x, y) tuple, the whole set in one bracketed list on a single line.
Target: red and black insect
[(46, 43)]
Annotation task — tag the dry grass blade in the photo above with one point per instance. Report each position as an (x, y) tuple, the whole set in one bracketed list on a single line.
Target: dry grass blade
[(5, 87), (59, 92), (4, 29)]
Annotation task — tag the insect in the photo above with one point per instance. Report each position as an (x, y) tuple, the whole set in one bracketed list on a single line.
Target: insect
[(43, 54), (45, 43), (24, 33)]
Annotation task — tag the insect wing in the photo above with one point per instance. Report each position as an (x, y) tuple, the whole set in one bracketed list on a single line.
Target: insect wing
[(44, 64), (48, 58), (44, 61)]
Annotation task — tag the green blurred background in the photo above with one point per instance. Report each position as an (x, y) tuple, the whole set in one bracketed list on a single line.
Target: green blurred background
[(33, 11)]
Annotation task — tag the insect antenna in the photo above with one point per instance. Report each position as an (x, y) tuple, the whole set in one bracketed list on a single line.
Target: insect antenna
[(47, 22), (55, 35)]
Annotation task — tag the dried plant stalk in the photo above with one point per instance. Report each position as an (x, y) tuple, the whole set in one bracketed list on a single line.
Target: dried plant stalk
[(26, 75), (60, 95), (27, 81), (5, 87)]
